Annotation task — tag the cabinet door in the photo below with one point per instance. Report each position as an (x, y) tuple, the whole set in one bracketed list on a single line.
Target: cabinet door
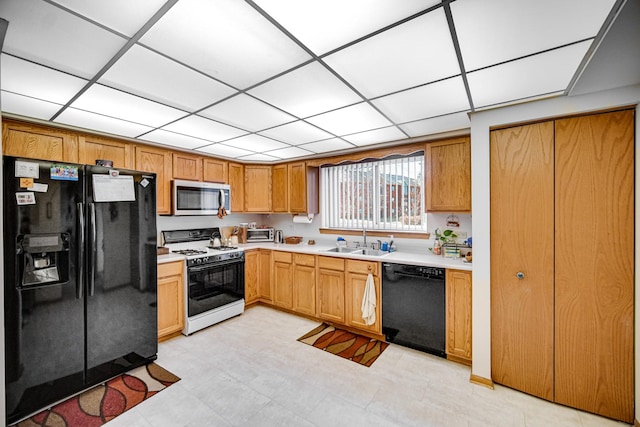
[(94, 148), (186, 166), (158, 161), (170, 298), (282, 279), (251, 275), (215, 170), (331, 289), (304, 284), (264, 281), (257, 188), (355, 284), (458, 296), (522, 240), (448, 175), (236, 181), (594, 263), (280, 189), (37, 142), (298, 188)]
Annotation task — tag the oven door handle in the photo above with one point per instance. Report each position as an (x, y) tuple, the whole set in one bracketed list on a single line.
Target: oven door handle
[(198, 269)]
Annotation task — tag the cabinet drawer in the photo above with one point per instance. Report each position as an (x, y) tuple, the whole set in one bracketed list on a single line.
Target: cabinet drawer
[(364, 267), (282, 257), (170, 269), (331, 263), (301, 259)]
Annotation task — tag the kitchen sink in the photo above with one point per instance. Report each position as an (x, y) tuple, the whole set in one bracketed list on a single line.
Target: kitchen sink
[(370, 252), (344, 250)]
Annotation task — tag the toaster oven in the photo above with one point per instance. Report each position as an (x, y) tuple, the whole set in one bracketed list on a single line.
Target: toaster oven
[(260, 235)]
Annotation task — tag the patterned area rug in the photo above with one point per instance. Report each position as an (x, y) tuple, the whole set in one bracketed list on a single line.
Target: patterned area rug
[(104, 402), (357, 348)]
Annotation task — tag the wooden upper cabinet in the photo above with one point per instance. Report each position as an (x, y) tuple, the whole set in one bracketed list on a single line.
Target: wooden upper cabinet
[(38, 142), (94, 148), (187, 166), (257, 188), (158, 161), (215, 170), (448, 175), (280, 188), (236, 181), (303, 188)]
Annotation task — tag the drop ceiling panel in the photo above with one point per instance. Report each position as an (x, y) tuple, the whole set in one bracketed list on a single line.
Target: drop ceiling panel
[(333, 144), (88, 120), (36, 81), (532, 76), (174, 139), (124, 16), (110, 102), (296, 133), (326, 25), (446, 123), (417, 52), (426, 101), (375, 136), (47, 35), (289, 153), (492, 31), (307, 91), (28, 107), (255, 143), (199, 127), (224, 150), (248, 113), (145, 73), (226, 39), (355, 118)]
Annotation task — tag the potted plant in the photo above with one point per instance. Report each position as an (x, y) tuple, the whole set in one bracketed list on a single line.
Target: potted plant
[(445, 237)]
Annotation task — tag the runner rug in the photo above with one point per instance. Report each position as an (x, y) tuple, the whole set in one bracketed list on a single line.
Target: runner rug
[(104, 402), (357, 348)]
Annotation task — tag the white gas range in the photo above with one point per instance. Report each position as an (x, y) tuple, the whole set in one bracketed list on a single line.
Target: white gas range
[(214, 288)]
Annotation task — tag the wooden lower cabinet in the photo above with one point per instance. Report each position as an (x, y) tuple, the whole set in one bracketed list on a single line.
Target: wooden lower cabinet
[(170, 298), (304, 284), (458, 321), (355, 283), (251, 275), (282, 279), (264, 275), (330, 289)]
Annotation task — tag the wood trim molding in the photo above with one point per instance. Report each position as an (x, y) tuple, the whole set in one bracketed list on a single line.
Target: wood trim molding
[(636, 423), (475, 379), (458, 359)]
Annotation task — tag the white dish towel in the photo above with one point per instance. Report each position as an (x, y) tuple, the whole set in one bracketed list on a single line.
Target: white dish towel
[(369, 302)]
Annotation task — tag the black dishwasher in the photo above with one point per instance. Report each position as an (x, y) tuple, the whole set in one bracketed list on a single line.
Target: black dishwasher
[(413, 307)]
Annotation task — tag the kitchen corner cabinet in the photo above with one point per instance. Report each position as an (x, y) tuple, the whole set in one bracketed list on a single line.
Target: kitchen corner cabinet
[(257, 188), (355, 283), (280, 188), (251, 275), (458, 321), (92, 148), (187, 166), (170, 298), (264, 275), (282, 279), (304, 284), (158, 161), (38, 142), (303, 188), (448, 175), (236, 181), (215, 170), (330, 289)]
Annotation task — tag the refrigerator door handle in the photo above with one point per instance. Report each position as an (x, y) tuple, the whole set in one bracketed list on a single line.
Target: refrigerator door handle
[(80, 278), (94, 249)]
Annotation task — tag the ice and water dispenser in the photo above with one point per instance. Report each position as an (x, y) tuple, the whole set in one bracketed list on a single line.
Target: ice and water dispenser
[(43, 259)]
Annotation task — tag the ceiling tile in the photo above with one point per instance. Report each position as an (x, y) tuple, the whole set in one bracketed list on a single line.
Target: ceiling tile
[(255, 143), (258, 158), (355, 118), (535, 75), (27, 78), (248, 113), (377, 136), (110, 102), (92, 121), (289, 153), (431, 100), (296, 133), (82, 51), (29, 107), (174, 139), (308, 21), (307, 91), (414, 53), (492, 31), (333, 144), (200, 127), (147, 74), (124, 16), (224, 150), (446, 123), (226, 39)]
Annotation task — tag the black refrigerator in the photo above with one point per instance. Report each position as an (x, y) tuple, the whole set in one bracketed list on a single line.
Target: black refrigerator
[(80, 291)]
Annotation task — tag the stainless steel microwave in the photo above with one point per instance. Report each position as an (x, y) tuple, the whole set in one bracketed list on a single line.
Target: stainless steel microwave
[(199, 198)]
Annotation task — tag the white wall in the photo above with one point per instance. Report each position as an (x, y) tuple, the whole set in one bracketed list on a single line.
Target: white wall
[(480, 126)]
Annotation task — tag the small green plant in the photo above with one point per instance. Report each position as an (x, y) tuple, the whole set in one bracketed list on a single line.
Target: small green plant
[(446, 236)]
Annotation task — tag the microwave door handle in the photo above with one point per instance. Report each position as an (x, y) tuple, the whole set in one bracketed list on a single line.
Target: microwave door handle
[(221, 198)]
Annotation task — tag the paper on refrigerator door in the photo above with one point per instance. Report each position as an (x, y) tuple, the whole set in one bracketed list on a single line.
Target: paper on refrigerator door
[(108, 188)]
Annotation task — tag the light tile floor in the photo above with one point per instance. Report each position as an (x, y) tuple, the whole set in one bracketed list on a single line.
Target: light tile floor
[(251, 371)]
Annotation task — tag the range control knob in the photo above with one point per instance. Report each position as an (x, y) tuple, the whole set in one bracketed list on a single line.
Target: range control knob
[(198, 260)]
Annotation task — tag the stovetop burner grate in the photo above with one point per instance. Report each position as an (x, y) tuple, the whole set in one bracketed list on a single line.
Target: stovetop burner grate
[(223, 248), (189, 252)]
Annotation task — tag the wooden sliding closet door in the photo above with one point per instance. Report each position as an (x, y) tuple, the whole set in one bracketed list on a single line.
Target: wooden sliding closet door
[(594, 263), (522, 241)]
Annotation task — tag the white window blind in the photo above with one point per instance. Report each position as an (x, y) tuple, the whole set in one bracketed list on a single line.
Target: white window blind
[(379, 195)]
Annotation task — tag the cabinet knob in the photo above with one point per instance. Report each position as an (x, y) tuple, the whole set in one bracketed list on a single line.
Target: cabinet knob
[(520, 275)]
